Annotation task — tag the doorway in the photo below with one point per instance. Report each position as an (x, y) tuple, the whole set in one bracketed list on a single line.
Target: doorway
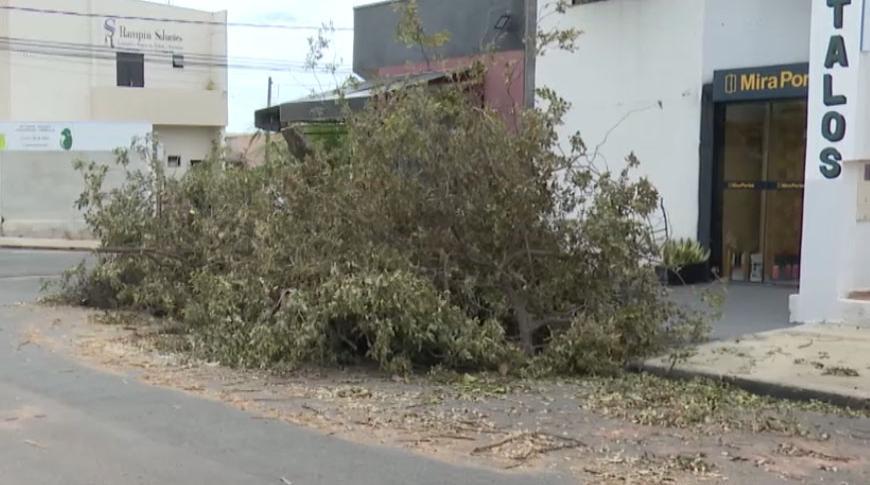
[(761, 166)]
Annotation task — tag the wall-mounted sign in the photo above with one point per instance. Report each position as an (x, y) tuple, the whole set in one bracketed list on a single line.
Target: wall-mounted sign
[(120, 33), (836, 64), (78, 137), (756, 83)]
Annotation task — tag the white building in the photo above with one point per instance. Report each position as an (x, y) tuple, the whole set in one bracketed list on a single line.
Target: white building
[(83, 64), (752, 136)]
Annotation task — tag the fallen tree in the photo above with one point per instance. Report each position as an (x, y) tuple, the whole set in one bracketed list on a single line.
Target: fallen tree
[(434, 234)]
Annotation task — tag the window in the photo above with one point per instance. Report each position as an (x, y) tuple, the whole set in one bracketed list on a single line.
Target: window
[(178, 61), (174, 161), (194, 163), (131, 70)]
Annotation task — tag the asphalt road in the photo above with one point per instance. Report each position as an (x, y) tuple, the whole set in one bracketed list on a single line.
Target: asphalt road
[(62, 423)]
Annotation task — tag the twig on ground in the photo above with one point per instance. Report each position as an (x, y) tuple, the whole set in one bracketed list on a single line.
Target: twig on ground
[(454, 437), (481, 449), (313, 410), (566, 443)]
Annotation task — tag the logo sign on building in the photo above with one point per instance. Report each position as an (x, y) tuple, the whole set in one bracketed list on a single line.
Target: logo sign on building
[(759, 83), (119, 33), (79, 137)]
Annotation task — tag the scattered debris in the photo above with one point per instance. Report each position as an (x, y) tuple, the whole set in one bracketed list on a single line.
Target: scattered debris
[(841, 372), (792, 450), (35, 444), (802, 361)]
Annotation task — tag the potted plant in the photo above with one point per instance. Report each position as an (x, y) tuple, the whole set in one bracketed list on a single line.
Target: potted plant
[(684, 263)]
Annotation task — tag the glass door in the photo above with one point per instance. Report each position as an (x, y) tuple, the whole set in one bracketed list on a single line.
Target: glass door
[(762, 168), (743, 164), (784, 196)]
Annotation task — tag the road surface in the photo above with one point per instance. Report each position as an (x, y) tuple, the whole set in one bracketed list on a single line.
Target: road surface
[(62, 423)]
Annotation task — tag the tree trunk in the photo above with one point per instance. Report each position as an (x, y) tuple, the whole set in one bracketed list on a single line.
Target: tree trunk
[(526, 324)]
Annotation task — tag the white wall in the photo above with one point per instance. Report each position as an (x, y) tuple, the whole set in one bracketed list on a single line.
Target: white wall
[(633, 55), (4, 60), (752, 33), (39, 186), (188, 142)]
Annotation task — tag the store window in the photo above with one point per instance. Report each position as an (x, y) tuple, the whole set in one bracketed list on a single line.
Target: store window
[(131, 69)]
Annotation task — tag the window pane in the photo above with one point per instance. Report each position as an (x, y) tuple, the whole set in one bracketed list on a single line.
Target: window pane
[(131, 69)]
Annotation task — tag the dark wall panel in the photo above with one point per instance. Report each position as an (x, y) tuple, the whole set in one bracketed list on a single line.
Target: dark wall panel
[(472, 25)]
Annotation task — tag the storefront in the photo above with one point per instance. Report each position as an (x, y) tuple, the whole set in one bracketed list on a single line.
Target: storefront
[(758, 138), (776, 182)]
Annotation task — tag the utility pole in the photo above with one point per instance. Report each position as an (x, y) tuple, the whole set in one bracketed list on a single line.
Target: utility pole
[(269, 105), (531, 51)]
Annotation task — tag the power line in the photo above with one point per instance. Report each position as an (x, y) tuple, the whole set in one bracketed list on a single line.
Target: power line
[(70, 13), (84, 64), (91, 51), (158, 52)]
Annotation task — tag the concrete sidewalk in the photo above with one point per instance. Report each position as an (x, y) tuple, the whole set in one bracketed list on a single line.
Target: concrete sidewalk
[(824, 362), (48, 244)]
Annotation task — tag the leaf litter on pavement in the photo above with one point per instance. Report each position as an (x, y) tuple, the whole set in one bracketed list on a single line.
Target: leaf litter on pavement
[(635, 429)]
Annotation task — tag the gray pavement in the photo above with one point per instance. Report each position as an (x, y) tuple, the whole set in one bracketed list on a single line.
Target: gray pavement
[(825, 362), (747, 309), (66, 424)]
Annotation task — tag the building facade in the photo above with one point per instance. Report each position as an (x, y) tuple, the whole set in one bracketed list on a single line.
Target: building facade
[(493, 33), (111, 62), (749, 117)]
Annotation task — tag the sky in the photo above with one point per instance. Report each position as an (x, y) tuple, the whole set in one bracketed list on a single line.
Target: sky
[(247, 88)]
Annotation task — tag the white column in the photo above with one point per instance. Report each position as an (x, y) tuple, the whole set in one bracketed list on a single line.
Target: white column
[(832, 237)]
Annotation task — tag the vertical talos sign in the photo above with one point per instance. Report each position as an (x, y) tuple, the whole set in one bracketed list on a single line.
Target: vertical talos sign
[(834, 126)]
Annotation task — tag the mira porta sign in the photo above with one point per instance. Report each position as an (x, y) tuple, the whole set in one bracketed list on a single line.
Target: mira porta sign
[(762, 83), (834, 122)]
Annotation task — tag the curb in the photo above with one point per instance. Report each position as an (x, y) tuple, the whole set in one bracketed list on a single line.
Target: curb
[(759, 387)]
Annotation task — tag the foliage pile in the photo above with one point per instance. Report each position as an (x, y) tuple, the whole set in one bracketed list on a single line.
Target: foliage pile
[(706, 406), (433, 235)]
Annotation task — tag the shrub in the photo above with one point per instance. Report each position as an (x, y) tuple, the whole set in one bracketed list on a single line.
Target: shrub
[(678, 253)]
